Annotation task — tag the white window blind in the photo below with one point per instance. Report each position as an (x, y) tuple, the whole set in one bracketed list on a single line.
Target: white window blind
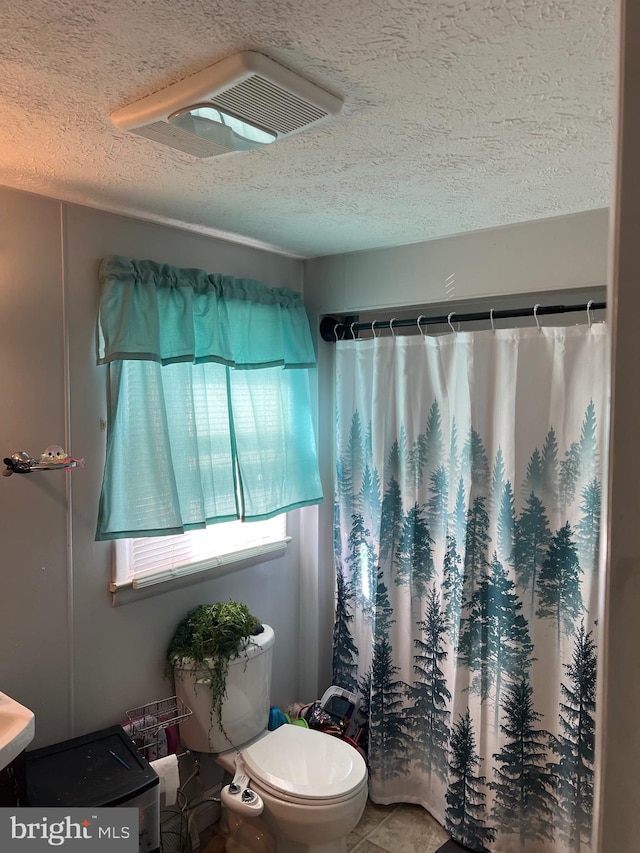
[(143, 562)]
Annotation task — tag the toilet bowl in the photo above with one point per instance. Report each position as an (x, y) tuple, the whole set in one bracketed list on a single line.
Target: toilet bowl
[(313, 787)]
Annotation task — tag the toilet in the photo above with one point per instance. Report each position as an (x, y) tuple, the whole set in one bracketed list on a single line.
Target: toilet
[(306, 789)]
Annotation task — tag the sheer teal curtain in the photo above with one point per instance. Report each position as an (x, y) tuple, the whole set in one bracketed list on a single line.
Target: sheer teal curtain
[(208, 400)]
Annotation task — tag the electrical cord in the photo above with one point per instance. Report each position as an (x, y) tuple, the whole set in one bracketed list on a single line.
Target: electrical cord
[(186, 815)]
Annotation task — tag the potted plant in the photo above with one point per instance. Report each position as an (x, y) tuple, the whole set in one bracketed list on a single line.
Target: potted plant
[(206, 640)]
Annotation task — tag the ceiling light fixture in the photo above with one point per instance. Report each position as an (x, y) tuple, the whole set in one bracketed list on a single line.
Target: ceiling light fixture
[(208, 122)]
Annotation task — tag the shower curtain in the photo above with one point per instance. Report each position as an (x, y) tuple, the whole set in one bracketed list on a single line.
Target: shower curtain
[(467, 539)]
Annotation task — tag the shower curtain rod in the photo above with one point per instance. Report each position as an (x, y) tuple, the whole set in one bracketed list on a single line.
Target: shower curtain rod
[(333, 329)]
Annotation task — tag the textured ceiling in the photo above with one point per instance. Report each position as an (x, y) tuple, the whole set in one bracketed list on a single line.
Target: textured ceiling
[(457, 116)]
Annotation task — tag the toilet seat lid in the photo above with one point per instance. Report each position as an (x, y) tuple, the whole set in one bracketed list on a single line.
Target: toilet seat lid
[(305, 763)]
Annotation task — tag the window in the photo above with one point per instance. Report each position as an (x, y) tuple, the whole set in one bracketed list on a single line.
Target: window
[(143, 563)]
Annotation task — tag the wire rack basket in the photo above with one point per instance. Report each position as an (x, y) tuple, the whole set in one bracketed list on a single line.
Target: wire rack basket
[(147, 722)]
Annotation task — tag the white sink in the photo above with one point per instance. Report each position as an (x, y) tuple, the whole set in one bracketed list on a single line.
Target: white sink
[(17, 728)]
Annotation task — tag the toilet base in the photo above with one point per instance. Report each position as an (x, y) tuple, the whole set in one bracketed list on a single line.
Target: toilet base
[(246, 835), (251, 835), (285, 846)]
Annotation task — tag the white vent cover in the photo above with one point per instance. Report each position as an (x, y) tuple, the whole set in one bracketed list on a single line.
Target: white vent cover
[(248, 87)]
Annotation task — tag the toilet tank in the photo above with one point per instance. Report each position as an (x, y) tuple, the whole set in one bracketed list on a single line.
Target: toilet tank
[(245, 710)]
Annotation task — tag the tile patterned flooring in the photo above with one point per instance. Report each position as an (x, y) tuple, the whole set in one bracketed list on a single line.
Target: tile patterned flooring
[(401, 828)]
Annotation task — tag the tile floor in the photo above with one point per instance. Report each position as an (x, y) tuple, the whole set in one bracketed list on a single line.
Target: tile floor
[(402, 828)]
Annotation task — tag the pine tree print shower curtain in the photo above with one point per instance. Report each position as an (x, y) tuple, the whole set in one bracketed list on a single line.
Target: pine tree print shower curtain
[(466, 535)]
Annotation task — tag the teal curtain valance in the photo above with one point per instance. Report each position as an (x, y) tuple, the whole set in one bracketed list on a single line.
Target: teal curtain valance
[(156, 312)]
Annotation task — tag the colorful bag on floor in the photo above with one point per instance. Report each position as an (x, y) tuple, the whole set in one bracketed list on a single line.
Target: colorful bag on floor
[(319, 719)]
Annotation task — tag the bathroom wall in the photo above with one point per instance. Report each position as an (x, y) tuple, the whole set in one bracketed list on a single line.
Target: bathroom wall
[(553, 261), (68, 654), (78, 662), (34, 608)]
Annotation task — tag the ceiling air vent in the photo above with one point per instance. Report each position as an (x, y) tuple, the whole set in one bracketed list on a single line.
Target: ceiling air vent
[(241, 103)]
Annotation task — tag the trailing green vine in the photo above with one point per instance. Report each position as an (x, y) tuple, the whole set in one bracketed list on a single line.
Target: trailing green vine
[(206, 639)]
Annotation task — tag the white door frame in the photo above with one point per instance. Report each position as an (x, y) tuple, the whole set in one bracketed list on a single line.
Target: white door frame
[(618, 797)]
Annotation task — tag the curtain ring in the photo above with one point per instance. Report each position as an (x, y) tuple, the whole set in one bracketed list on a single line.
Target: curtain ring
[(335, 331), (391, 322), (450, 323), (493, 328), (589, 317), (353, 334), (535, 315), (373, 329), (421, 317)]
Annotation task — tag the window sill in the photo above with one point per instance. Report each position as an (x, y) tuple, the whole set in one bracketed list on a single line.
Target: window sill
[(128, 592)]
